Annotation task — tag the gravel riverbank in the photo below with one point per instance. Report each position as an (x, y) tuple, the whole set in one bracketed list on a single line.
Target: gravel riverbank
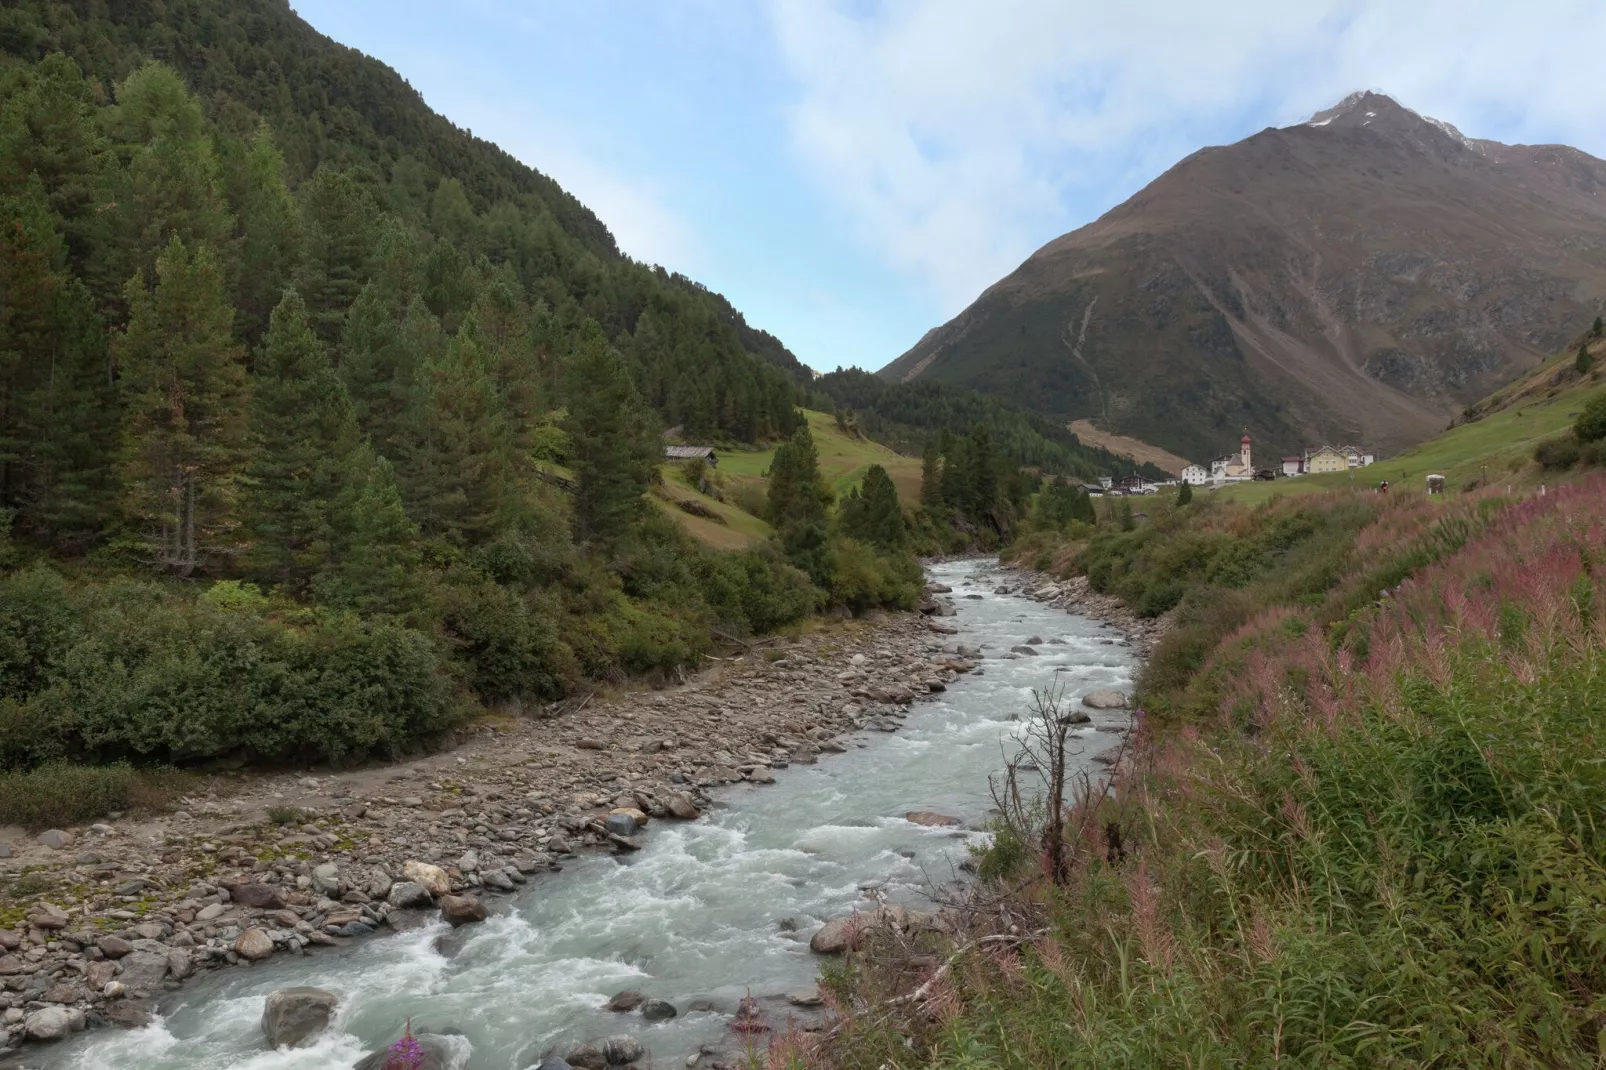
[(97, 922)]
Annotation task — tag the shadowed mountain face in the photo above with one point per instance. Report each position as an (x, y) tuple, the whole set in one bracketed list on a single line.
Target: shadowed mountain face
[(1357, 278)]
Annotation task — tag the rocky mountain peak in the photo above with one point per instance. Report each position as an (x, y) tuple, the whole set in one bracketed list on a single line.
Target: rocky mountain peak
[(1365, 109)]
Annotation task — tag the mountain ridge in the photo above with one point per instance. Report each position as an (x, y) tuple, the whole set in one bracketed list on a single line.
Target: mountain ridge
[(1360, 276)]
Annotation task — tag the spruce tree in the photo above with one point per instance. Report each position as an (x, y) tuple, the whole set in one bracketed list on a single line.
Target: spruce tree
[(871, 512), (270, 230), (377, 559), (930, 476), (458, 477), (1585, 360), (303, 429), (797, 505), (185, 393), (1597, 328), (613, 449), (1185, 494)]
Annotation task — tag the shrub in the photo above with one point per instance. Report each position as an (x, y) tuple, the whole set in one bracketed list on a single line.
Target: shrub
[(1560, 452), (1591, 423), (59, 793), (860, 578), (154, 676)]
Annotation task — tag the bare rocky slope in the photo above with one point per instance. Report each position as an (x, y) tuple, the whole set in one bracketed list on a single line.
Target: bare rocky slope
[(1360, 277)]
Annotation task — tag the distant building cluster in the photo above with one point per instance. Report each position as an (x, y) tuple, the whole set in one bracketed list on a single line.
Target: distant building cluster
[(1240, 467)]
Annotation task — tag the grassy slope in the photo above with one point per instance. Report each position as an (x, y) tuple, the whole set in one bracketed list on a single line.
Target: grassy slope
[(1496, 446), (843, 460)]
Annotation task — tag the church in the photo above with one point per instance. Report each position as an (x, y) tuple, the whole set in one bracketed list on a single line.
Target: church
[(1233, 467)]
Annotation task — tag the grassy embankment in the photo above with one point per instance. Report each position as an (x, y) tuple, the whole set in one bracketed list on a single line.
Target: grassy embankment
[(1362, 823)]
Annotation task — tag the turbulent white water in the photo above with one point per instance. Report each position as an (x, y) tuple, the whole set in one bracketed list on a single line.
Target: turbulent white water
[(697, 915)]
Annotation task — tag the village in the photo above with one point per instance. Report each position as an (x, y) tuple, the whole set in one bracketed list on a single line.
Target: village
[(1240, 468)]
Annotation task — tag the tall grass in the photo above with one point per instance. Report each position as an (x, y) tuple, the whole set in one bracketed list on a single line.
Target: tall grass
[(1380, 847)]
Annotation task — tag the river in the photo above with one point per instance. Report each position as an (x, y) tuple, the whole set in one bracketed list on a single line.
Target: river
[(703, 913)]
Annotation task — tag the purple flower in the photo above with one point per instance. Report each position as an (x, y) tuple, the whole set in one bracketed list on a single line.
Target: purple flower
[(407, 1053)]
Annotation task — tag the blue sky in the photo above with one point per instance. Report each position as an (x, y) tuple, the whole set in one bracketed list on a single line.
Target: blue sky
[(852, 173)]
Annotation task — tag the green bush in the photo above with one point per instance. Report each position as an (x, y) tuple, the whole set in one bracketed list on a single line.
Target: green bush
[(861, 578), (1591, 423), (508, 645), (1562, 451), (154, 676)]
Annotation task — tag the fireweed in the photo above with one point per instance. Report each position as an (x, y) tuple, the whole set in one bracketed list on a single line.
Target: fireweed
[(1380, 845)]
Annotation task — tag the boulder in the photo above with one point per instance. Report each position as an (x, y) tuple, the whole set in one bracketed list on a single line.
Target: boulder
[(144, 970), (55, 839), (261, 896), (405, 894), (622, 1050), (680, 805), (805, 997), (114, 947), (658, 1010), (1104, 700), (1024, 650), (211, 912), (53, 1023), (624, 1001), (469, 862), (837, 936), (253, 945), (761, 774), (294, 1017), (619, 824), (930, 818), (635, 813), (179, 964), (462, 909), (433, 878), (326, 878)]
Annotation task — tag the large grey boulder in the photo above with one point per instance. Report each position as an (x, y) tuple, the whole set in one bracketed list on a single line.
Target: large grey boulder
[(1104, 700), (618, 1050), (404, 894), (53, 1023), (293, 1017), (462, 909), (144, 970)]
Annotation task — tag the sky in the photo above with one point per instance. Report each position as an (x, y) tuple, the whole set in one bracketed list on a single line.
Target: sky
[(853, 173)]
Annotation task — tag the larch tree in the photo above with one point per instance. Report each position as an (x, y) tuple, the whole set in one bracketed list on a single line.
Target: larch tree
[(185, 393)]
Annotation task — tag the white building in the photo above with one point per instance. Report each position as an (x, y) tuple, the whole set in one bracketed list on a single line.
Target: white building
[(1293, 466), (1196, 474)]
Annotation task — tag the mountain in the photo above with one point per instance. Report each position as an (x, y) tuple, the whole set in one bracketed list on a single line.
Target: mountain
[(1360, 277)]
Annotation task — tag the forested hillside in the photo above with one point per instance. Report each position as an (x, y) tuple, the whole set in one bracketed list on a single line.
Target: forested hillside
[(281, 352)]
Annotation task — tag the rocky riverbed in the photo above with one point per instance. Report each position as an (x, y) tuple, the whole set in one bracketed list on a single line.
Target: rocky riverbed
[(97, 922)]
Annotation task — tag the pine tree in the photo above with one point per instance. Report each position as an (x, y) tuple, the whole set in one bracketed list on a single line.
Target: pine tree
[(797, 504), (57, 423), (613, 450), (1598, 327), (1185, 494), (338, 219), (270, 232), (871, 512), (377, 559), (458, 476), (304, 428), (930, 476), (1124, 516), (185, 393), (170, 186), (1585, 360)]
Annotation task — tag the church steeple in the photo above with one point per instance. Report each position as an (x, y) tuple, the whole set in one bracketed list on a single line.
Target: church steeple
[(1243, 450)]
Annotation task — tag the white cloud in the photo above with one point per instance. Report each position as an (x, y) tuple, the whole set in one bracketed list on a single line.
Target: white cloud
[(960, 136)]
